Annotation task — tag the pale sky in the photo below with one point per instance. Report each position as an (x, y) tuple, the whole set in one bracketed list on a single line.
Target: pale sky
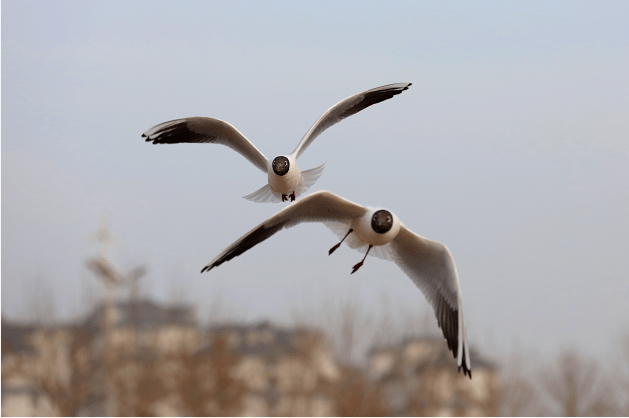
[(511, 148)]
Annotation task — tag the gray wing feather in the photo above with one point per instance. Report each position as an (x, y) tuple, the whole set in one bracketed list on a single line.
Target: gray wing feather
[(346, 108), (318, 207), (431, 267), (206, 130)]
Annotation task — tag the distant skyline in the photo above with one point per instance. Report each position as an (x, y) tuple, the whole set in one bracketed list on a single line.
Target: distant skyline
[(510, 148)]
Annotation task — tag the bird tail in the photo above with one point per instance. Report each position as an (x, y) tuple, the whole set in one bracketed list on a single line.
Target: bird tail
[(308, 178), (264, 195)]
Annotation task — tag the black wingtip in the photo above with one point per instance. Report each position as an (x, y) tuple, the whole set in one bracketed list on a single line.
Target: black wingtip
[(206, 268), (466, 371), (143, 136)]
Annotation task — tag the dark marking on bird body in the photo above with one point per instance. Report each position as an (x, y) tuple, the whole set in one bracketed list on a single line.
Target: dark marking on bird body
[(382, 221), (281, 165)]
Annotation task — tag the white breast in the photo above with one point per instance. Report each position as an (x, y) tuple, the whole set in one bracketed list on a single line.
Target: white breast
[(288, 182)]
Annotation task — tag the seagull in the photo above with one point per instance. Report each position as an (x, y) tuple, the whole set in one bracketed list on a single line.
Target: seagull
[(285, 180), (428, 264)]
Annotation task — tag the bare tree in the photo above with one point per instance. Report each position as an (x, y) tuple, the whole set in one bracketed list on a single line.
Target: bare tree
[(577, 386), (345, 321), (620, 374), (354, 328), (357, 398), (40, 302), (519, 392)]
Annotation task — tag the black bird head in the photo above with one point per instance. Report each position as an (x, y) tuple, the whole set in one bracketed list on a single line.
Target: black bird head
[(382, 221), (281, 165)]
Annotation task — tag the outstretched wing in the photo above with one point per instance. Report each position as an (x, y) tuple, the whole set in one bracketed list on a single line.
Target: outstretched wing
[(200, 129), (347, 108), (318, 207), (431, 267)]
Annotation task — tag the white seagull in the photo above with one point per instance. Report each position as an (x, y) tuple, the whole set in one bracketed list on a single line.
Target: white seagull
[(429, 264), (285, 180)]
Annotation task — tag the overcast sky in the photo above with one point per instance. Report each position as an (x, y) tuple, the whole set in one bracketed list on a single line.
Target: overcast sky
[(511, 148)]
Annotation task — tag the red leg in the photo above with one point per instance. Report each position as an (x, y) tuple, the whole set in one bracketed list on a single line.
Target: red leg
[(284, 197), (292, 197), (359, 265), (339, 244)]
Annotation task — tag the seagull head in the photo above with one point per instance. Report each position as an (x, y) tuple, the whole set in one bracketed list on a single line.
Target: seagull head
[(280, 165), (382, 221)]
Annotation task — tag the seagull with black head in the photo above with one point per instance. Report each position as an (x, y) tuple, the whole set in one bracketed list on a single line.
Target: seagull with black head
[(285, 180), (379, 232)]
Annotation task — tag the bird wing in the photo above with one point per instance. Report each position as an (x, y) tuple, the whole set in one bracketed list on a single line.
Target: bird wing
[(346, 108), (213, 131), (431, 267), (318, 207)]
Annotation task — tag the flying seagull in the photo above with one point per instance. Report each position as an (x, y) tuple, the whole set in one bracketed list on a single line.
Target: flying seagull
[(429, 264), (285, 180)]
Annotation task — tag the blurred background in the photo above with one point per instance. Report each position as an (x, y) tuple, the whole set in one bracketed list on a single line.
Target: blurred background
[(510, 148)]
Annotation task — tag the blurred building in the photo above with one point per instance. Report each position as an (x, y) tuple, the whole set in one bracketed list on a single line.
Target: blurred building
[(137, 358), (35, 365), (84, 368), (142, 326), (418, 377), (284, 372)]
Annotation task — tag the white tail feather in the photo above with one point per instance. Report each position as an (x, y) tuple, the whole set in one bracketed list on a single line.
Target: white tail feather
[(264, 195), (308, 178)]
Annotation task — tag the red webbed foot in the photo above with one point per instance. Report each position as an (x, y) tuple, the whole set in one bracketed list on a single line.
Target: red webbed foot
[(356, 267), (334, 248), (339, 244), (359, 265)]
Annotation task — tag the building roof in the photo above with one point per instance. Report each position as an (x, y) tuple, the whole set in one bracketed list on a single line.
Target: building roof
[(262, 338), (144, 314)]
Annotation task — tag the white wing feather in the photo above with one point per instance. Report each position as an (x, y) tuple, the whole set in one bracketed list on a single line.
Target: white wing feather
[(431, 267), (347, 108), (206, 130), (318, 207)]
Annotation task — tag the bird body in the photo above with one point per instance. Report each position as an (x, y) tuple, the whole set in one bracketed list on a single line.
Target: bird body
[(287, 183), (281, 185), (427, 263)]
